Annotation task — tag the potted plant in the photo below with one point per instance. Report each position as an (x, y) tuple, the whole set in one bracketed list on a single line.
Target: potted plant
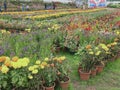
[(49, 77), (104, 51), (87, 61), (62, 71)]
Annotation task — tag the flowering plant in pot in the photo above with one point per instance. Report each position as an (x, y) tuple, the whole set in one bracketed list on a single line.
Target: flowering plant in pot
[(62, 71), (87, 61), (103, 52), (35, 75), (49, 76)]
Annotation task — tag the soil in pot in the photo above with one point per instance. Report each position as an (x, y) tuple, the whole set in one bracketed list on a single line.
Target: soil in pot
[(64, 84)]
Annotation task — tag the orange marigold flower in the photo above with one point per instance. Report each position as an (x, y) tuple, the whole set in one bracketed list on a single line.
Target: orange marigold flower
[(15, 59), (2, 58), (88, 47), (7, 64)]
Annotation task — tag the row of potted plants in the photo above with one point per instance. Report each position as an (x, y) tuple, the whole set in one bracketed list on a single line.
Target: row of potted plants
[(94, 58), (19, 73)]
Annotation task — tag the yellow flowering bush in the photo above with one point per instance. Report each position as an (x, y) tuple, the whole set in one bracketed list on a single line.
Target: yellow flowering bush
[(21, 73), (91, 55), (114, 49)]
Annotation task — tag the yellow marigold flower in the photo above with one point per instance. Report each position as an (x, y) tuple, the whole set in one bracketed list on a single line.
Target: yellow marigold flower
[(35, 71), (97, 53), (26, 60), (30, 76), (91, 53), (42, 67), (44, 63), (38, 62), (4, 69), (14, 59), (31, 68), (25, 64), (7, 58), (46, 59), (104, 47), (63, 58), (3, 31), (17, 64), (96, 48)]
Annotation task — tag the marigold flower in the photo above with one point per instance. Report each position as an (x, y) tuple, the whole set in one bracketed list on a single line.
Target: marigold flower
[(38, 62), (96, 48), (2, 58), (7, 62), (91, 53), (31, 68), (14, 59), (88, 47), (46, 59), (104, 47), (30, 76), (63, 58), (97, 53), (4, 69), (42, 67), (44, 63), (35, 71)]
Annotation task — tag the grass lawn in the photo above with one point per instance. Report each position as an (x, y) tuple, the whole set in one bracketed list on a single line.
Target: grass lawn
[(109, 79)]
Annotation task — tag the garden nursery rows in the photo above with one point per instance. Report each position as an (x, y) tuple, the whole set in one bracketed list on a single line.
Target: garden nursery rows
[(68, 49)]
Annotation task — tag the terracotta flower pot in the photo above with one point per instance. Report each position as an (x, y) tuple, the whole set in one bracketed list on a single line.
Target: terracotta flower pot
[(79, 68), (84, 75), (93, 72), (64, 85), (49, 88), (99, 68)]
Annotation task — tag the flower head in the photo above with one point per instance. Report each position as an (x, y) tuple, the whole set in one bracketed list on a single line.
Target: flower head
[(4, 69)]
